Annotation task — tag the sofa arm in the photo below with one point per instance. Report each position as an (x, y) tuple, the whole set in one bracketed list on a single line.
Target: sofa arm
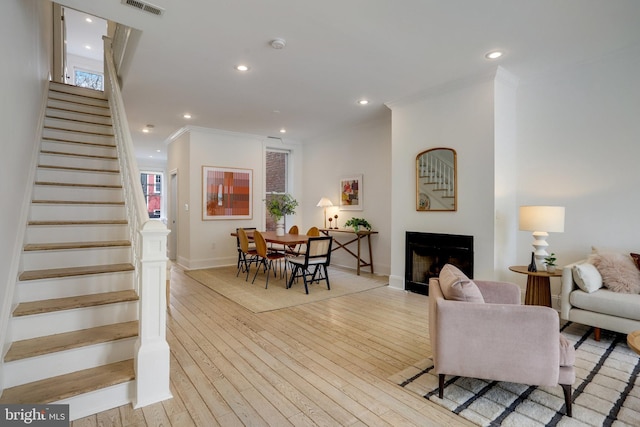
[(567, 286), (504, 342), (499, 292)]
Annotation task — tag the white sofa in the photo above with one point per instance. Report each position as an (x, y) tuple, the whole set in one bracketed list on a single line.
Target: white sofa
[(602, 309)]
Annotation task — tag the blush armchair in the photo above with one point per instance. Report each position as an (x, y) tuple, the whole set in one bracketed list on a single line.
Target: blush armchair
[(497, 339)]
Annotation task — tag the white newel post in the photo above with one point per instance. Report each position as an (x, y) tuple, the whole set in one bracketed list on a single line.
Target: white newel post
[(152, 349)]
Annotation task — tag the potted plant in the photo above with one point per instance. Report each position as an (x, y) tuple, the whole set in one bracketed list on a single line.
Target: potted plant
[(356, 223), (279, 205), (550, 263)]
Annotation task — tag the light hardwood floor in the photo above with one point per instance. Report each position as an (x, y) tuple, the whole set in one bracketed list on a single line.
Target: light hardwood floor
[(323, 363)]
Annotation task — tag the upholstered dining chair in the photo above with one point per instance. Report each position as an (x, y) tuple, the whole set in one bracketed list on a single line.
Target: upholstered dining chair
[(478, 329), (247, 253), (265, 257), (317, 255)]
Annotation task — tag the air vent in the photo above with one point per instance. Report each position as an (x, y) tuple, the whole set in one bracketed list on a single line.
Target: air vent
[(144, 6)]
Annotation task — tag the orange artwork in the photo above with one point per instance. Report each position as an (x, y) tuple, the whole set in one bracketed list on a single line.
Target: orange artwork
[(226, 193)]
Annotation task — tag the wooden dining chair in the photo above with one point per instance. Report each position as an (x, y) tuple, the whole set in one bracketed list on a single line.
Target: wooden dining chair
[(247, 254), (317, 255), (250, 245), (265, 257)]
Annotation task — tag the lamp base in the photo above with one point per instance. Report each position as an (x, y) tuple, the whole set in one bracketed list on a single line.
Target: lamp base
[(540, 245)]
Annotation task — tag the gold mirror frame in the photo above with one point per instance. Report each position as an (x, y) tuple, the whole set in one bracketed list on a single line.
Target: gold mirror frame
[(437, 180)]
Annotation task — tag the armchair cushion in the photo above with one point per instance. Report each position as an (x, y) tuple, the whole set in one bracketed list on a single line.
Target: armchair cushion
[(457, 286), (567, 352), (587, 277)]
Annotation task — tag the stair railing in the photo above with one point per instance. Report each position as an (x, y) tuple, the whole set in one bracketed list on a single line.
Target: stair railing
[(440, 173), (149, 253)]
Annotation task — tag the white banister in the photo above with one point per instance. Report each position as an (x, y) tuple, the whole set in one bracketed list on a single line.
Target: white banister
[(149, 253)]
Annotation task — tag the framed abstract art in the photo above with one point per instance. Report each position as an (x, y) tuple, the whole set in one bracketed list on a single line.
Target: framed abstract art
[(227, 193), (351, 191)]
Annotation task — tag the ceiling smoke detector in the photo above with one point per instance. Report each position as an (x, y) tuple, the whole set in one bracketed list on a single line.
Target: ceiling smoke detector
[(278, 43)]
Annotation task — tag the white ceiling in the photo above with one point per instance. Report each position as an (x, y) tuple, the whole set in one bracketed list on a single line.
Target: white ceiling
[(337, 52)]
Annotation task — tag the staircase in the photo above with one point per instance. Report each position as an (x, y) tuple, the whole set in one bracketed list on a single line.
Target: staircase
[(76, 323)]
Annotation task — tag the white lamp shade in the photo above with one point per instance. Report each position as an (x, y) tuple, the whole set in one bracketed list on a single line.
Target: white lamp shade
[(324, 203), (542, 218)]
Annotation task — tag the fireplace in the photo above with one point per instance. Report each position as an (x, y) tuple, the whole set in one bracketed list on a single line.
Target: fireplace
[(427, 253)]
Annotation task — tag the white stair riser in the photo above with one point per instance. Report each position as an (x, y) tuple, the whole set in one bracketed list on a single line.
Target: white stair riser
[(84, 91), (78, 162), (76, 136), (78, 99), (63, 362), (39, 325), (81, 108), (40, 260), (77, 126), (77, 177), (86, 404), (70, 147), (63, 287), (78, 116), (86, 194), (47, 212), (75, 233)]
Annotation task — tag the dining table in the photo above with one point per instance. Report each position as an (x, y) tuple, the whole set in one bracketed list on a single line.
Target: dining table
[(285, 239)]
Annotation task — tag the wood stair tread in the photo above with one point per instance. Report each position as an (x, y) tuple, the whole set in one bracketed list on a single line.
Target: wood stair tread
[(69, 141), (75, 245), (75, 202), (53, 273), (88, 156), (69, 385), (73, 184), (71, 168), (81, 222), (69, 340), (69, 303), (84, 132)]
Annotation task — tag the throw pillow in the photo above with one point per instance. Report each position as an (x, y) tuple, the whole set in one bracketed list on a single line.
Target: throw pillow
[(636, 259), (457, 286), (587, 277), (618, 271)]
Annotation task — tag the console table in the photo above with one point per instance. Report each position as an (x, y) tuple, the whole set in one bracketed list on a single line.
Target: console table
[(357, 236), (538, 285)]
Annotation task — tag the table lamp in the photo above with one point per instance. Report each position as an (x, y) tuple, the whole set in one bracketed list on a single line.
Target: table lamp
[(325, 203), (541, 220)]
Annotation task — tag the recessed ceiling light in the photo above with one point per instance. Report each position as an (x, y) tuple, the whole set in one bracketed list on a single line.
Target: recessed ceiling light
[(242, 67), (86, 46), (146, 130), (158, 151), (495, 54), (88, 19), (283, 130), (363, 101), (187, 116)]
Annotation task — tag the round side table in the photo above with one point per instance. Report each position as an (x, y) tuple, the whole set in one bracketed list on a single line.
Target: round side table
[(538, 285), (633, 339)]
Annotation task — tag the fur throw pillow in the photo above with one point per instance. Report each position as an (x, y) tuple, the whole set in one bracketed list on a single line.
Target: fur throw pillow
[(636, 259), (619, 272)]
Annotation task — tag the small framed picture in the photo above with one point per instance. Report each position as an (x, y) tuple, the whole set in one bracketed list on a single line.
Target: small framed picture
[(227, 193), (351, 193)]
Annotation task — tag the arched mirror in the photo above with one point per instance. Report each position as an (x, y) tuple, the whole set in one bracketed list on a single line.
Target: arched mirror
[(436, 180)]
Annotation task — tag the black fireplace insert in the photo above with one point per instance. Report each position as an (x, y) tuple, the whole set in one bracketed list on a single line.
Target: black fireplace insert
[(427, 253)]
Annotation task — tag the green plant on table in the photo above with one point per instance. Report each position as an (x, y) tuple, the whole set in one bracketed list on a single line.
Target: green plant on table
[(279, 205), (356, 223), (550, 260)]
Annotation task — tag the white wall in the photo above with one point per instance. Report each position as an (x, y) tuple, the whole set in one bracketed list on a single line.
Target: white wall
[(26, 48), (579, 145), (203, 244), (461, 118), (366, 150)]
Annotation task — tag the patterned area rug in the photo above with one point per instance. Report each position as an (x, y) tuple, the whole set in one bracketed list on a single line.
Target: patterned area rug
[(256, 298), (606, 391)]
